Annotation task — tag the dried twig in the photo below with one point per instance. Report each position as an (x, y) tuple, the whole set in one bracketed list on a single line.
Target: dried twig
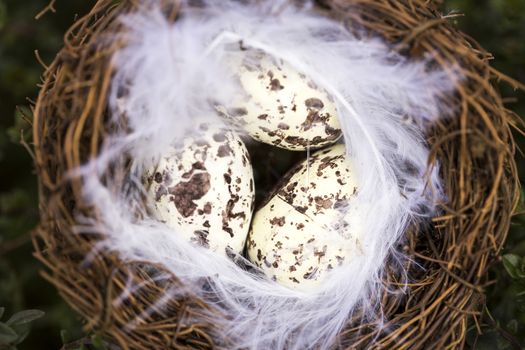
[(49, 8)]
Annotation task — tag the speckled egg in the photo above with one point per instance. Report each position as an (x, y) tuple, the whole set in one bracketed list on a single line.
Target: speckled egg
[(281, 106), (203, 188), (309, 225)]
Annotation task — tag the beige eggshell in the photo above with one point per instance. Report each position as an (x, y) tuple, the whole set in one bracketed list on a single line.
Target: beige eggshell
[(281, 106), (306, 229), (203, 188)]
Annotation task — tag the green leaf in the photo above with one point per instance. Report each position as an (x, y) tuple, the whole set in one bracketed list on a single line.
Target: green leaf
[(24, 317), (520, 208), (511, 262), (7, 334), (22, 331), (521, 269)]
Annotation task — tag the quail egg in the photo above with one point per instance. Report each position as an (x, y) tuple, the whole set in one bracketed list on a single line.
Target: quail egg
[(309, 226), (203, 188), (281, 106)]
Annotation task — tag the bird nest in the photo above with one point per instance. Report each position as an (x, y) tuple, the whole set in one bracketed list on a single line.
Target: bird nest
[(449, 260)]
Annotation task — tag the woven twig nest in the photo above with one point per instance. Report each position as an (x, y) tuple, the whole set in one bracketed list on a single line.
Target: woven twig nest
[(449, 260)]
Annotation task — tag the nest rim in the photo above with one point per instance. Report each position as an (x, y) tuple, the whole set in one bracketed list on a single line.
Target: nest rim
[(476, 152)]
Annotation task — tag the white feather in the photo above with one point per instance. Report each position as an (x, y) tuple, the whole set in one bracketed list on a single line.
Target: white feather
[(167, 74)]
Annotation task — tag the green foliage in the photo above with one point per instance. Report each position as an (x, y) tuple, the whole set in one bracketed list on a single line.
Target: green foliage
[(515, 266), (21, 287), (16, 328), (93, 342)]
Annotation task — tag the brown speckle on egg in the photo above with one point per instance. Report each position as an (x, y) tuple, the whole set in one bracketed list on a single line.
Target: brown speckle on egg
[(224, 151), (314, 103), (219, 137), (310, 275), (279, 221), (186, 193), (238, 112), (275, 85), (323, 203)]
